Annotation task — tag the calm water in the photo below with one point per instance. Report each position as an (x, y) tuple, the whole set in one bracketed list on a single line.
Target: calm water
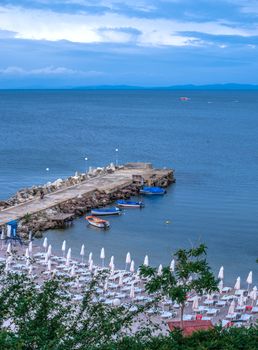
[(211, 141)]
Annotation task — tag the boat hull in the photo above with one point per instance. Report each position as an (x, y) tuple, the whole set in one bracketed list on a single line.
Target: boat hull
[(153, 191), (96, 222), (103, 212), (129, 204)]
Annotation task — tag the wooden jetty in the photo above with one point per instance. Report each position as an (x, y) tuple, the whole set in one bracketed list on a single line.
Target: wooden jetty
[(121, 178)]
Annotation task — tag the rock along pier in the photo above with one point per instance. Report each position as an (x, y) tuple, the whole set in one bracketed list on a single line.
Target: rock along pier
[(67, 199)]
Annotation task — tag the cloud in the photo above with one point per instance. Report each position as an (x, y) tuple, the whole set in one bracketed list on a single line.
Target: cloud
[(59, 71), (87, 28)]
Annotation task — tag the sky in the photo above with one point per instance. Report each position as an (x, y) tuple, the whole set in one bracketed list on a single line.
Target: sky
[(69, 43)]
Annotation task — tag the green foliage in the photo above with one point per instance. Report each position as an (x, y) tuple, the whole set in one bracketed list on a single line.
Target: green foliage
[(192, 273), (27, 218), (47, 318), (214, 339)]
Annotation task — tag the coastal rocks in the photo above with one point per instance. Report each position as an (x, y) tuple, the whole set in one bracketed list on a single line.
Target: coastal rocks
[(4, 205), (33, 192)]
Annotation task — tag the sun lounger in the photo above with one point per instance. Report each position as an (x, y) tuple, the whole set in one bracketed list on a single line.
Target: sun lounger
[(246, 317), (231, 316), (166, 314), (221, 303), (255, 310), (188, 317), (212, 312), (240, 308)]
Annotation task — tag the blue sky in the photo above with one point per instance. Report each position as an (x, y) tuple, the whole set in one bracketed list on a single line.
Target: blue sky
[(65, 43)]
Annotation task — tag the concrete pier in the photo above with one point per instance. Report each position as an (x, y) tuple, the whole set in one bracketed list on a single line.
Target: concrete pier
[(107, 183)]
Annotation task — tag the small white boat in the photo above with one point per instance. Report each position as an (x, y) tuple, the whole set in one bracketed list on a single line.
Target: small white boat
[(129, 204), (97, 222)]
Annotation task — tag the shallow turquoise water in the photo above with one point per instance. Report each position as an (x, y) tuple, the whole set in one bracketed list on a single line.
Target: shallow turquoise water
[(211, 141)]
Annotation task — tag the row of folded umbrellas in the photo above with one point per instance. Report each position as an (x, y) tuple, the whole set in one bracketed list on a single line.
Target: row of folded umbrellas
[(129, 262)]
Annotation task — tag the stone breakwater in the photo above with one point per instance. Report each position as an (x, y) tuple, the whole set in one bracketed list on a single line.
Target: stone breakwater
[(109, 186), (27, 194)]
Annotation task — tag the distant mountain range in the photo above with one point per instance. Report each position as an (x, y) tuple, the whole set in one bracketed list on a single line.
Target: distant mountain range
[(173, 87), (134, 87)]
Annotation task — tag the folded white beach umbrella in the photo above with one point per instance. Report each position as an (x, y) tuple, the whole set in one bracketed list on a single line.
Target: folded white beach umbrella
[(82, 252), (91, 265), (27, 254), (90, 257), (102, 256), (9, 259), (105, 288), (159, 273), (231, 308), (30, 247), (238, 283), (249, 279), (77, 282), (146, 261), (240, 300), (9, 231), (30, 270), (2, 238), (9, 248), (112, 269), (45, 244), (49, 250), (46, 257), (7, 267), (195, 303), (220, 286), (221, 273), (111, 261), (63, 247), (68, 257), (128, 258), (49, 265), (73, 271), (132, 291), (120, 281), (132, 266), (172, 265), (253, 294)]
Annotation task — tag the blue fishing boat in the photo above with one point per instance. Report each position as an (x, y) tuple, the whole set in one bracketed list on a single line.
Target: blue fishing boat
[(129, 204), (152, 190), (106, 211)]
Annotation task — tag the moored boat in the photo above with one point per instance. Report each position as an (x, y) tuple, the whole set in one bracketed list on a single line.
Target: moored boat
[(106, 211), (129, 204), (97, 222), (152, 190)]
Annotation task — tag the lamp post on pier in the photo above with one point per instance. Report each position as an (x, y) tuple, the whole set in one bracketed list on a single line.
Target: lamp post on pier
[(116, 156), (86, 161)]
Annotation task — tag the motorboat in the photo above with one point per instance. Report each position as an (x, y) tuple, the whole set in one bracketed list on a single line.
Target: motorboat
[(106, 211), (152, 190), (129, 204), (97, 222)]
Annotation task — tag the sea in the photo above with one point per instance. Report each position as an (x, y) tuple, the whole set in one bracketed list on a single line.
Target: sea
[(211, 140)]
